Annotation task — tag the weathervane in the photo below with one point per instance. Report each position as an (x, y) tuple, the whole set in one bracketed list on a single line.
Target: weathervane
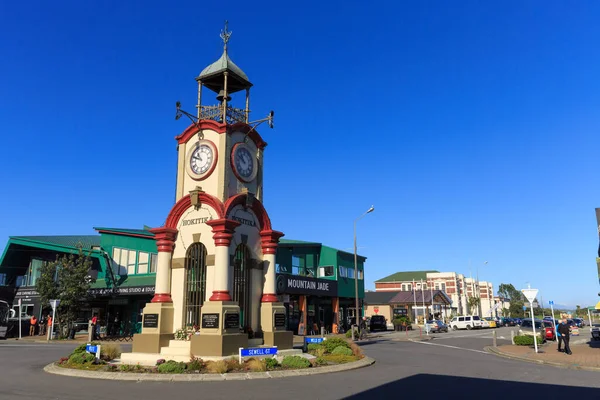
[(226, 34)]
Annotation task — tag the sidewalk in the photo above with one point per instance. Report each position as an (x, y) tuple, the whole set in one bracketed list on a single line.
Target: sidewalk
[(585, 356)]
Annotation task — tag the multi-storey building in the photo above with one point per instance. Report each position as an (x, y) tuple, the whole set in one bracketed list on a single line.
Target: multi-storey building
[(455, 285)]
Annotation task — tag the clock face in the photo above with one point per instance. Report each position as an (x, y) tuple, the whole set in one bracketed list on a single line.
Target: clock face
[(244, 163), (201, 160)]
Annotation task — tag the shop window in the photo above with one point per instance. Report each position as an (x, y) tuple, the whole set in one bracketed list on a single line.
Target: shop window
[(34, 272), (124, 261), (343, 272), (153, 260), (326, 271), (143, 260), (350, 273)]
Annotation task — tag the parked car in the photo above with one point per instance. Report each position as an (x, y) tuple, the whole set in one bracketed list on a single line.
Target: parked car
[(549, 328), (465, 322), (508, 321), (526, 328), (485, 324), (499, 322), (517, 321), (436, 326), (580, 322), (377, 323), (491, 322)]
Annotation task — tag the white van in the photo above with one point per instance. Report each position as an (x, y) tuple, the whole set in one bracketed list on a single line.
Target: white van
[(466, 322)]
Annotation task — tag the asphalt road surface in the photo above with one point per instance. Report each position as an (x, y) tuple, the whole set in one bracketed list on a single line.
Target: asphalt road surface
[(450, 367)]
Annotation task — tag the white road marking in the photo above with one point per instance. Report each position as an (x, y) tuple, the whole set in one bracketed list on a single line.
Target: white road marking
[(451, 347), (479, 335)]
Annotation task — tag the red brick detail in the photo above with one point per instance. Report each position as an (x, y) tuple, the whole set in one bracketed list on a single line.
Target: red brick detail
[(222, 230), (220, 128), (162, 298), (220, 295), (269, 240), (165, 239), (185, 203), (257, 208), (268, 298)]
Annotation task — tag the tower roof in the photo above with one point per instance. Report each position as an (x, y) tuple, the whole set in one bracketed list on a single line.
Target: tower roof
[(212, 76)]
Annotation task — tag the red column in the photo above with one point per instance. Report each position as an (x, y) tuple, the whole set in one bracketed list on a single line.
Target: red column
[(223, 230), (269, 240), (165, 241)]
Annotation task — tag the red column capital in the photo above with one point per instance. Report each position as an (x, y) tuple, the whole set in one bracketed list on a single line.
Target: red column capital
[(223, 230), (269, 240), (165, 238)]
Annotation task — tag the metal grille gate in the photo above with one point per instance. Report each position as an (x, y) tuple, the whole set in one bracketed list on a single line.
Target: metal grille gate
[(195, 283), (241, 281)]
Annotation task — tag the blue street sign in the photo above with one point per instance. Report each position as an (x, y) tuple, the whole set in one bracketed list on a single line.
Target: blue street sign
[(315, 340), (551, 302), (259, 351), (524, 308), (91, 349)]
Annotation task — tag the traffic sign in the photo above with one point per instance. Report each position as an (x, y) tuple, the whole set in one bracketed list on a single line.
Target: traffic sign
[(524, 308), (551, 302), (314, 340), (54, 303), (530, 294)]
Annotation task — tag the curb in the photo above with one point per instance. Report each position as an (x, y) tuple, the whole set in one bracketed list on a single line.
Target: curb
[(499, 353), (129, 376)]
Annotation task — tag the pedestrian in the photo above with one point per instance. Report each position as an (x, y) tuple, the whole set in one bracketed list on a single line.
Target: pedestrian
[(49, 326), (363, 328), (564, 330), (94, 323), (42, 324), (32, 324)]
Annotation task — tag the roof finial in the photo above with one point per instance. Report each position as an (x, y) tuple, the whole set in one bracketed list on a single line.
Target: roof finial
[(225, 34)]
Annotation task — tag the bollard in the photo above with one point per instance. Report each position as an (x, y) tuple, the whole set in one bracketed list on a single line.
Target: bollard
[(495, 343), (90, 333), (512, 337)]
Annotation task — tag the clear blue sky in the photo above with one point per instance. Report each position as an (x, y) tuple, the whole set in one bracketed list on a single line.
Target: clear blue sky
[(472, 128)]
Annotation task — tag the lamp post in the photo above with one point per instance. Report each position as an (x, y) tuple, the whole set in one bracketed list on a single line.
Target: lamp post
[(356, 270)]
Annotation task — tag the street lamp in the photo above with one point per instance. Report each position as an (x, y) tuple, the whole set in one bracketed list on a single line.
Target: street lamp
[(356, 270)]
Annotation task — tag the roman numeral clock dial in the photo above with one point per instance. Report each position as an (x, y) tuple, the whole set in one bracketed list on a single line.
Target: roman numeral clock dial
[(243, 162), (201, 160)]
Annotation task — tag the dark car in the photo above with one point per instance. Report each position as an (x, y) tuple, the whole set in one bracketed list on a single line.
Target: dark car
[(437, 326), (508, 321), (580, 322), (377, 323)]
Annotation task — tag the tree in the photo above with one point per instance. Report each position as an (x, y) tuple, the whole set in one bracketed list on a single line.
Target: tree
[(473, 302), (508, 291), (68, 280)]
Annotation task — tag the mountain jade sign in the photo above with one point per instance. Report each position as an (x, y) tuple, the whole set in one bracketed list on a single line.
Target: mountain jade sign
[(293, 284)]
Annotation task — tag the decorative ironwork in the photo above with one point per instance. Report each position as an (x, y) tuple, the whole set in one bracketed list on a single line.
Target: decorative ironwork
[(215, 113), (241, 281), (195, 268), (226, 34)]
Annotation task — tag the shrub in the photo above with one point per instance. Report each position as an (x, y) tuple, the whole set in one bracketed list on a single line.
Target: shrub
[(233, 364), (331, 344), (63, 360), (295, 362), (320, 361), (526, 340), (109, 352), (256, 365), (316, 349), (314, 346), (161, 361), (171, 367), (111, 368), (341, 350), (81, 358), (126, 368), (356, 350), (271, 363), (81, 347), (195, 364), (349, 334), (339, 358), (217, 367)]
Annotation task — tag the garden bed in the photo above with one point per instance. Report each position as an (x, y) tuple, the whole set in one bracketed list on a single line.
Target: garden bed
[(334, 351)]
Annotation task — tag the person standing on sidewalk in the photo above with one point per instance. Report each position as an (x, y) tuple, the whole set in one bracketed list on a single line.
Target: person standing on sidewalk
[(559, 338), (32, 324), (565, 330)]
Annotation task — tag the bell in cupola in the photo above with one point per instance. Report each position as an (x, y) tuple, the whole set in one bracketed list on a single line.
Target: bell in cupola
[(221, 95)]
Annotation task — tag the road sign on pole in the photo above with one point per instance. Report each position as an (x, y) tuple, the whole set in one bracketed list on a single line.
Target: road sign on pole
[(551, 302), (530, 295), (54, 303)]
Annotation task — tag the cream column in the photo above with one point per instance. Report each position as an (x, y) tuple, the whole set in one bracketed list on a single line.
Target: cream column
[(269, 241), (223, 230), (165, 241)]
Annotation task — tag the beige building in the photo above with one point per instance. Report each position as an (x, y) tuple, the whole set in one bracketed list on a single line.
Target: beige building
[(455, 285)]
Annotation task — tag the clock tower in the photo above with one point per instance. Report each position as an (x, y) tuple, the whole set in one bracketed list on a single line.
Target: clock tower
[(215, 276)]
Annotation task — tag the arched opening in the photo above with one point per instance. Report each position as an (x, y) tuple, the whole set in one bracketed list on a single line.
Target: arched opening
[(241, 283), (195, 283)]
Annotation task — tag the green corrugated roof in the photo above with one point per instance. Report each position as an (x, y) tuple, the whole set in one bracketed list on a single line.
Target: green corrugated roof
[(291, 241), (405, 276), (74, 241), (127, 231)]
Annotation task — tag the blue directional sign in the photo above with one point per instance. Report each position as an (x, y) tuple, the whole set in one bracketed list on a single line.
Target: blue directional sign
[(524, 308), (91, 349), (551, 302), (258, 351), (314, 340)]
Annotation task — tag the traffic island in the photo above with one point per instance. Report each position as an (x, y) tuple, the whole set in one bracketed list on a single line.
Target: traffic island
[(334, 355), (584, 357)]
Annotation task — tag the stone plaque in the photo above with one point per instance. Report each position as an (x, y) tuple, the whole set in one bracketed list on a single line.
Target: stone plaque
[(150, 321), (232, 320), (210, 321), (279, 320)]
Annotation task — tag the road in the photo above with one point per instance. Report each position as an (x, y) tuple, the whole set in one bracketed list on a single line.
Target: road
[(453, 366)]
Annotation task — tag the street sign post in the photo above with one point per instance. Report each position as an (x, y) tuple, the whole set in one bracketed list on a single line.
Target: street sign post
[(19, 318), (551, 302), (257, 352), (530, 294), (53, 303)]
